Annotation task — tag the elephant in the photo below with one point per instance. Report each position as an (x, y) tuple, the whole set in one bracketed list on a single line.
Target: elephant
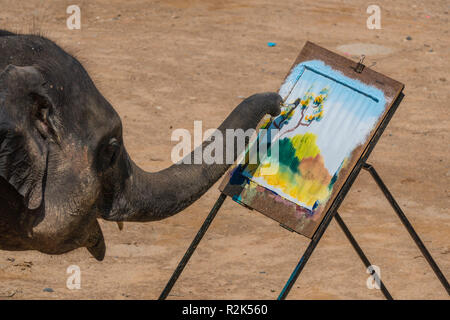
[(63, 163)]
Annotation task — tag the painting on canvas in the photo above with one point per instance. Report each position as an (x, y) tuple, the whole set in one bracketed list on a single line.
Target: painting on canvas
[(326, 121)]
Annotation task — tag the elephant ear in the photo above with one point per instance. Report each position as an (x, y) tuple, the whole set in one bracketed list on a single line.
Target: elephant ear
[(26, 129)]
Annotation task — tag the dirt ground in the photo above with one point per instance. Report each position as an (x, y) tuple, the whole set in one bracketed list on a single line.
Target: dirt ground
[(164, 64)]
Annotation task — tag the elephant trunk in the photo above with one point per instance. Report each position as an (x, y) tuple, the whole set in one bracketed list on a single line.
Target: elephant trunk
[(154, 196)]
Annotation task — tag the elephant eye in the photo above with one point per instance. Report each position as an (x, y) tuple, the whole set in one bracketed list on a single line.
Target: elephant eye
[(111, 152)]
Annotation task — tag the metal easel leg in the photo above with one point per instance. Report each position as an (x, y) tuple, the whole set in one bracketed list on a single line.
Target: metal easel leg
[(298, 269), (361, 254), (192, 247), (304, 259), (408, 226), (312, 245)]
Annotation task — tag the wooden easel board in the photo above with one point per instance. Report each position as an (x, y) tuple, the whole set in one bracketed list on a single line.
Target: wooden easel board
[(329, 116)]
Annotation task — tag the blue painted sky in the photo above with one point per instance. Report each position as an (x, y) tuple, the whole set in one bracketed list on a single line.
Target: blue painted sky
[(351, 110)]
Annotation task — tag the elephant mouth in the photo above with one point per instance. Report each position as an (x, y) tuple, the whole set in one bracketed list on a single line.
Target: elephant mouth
[(91, 238), (96, 242)]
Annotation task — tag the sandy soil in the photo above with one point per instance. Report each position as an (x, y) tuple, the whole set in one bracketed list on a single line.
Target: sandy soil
[(164, 64)]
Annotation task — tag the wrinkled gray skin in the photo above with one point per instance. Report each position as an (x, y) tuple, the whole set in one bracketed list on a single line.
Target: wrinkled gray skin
[(62, 159)]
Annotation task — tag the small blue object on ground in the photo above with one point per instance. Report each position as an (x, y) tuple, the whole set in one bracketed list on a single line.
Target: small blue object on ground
[(271, 44), (48, 290)]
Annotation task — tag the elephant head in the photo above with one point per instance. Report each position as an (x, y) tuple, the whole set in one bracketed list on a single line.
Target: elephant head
[(63, 163)]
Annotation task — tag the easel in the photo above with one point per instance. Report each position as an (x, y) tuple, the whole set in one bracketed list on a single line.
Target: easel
[(332, 212)]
